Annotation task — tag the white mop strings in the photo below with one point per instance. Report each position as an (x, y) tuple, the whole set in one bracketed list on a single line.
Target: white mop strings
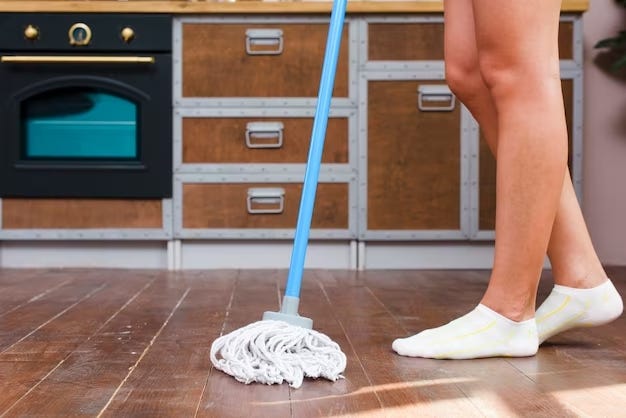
[(274, 351)]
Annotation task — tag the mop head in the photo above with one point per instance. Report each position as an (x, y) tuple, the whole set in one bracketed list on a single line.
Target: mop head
[(271, 352)]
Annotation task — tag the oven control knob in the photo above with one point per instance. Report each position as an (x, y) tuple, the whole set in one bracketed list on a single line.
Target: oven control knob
[(128, 34), (79, 34), (31, 32)]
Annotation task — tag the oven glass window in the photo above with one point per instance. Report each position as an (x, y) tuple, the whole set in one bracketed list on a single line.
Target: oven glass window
[(79, 123)]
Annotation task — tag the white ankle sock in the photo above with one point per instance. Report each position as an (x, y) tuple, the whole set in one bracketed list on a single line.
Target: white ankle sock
[(569, 307), (480, 333)]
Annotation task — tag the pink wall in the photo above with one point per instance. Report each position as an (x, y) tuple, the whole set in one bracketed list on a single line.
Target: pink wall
[(604, 169)]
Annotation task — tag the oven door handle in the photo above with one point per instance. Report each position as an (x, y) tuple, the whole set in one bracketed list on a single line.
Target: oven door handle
[(75, 59)]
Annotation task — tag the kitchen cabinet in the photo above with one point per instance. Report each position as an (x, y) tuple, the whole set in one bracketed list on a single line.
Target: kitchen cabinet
[(403, 161)]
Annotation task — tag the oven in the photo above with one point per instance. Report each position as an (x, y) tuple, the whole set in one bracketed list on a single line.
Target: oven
[(86, 105)]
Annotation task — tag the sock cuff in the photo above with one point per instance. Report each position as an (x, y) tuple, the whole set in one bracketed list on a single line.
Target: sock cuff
[(503, 318), (574, 291)]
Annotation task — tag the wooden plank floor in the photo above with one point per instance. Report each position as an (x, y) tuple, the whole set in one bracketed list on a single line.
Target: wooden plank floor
[(135, 343)]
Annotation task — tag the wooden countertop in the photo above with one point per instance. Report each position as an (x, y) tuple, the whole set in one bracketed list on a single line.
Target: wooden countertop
[(211, 7)]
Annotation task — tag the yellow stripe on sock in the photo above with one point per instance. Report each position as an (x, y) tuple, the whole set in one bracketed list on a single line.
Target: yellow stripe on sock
[(554, 312), (477, 347), (565, 324), (502, 342), (469, 334)]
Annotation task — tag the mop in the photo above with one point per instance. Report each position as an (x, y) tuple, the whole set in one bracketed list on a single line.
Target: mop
[(283, 347)]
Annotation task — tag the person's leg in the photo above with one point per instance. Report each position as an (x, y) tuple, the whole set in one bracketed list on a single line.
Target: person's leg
[(518, 57), (462, 69), (520, 68), (575, 263), (573, 258)]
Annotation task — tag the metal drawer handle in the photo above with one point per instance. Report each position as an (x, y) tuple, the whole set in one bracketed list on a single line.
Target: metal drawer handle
[(439, 94), (268, 200), (264, 41), (259, 134), (74, 59)]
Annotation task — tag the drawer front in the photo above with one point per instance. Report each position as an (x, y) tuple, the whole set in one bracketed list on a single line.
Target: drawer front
[(425, 41), (487, 165), (413, 180), (258, 60), (405, 41), (259, 140), (81, 213), (259, 206), (566, 40)]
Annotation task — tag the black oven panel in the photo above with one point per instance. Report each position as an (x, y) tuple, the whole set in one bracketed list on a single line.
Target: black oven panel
[(86, 106), (69, 32)]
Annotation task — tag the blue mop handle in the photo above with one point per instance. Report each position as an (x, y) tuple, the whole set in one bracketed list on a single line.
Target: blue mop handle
[(311, 176)]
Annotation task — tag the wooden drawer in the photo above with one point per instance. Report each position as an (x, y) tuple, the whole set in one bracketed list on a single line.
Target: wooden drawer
[(405, 41), (487, 165), (257, 60), (259, 140), (230, 205), (413, 178), (81, 213), (424, 41), (566, 40)]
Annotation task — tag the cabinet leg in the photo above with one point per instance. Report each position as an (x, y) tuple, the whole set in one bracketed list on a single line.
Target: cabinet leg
[(354, 256), (174, 255), (361, 256)]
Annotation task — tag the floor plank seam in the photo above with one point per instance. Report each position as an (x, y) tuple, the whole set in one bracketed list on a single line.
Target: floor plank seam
[(29, 391), (90, 294), (470, 400), (211, 368), (520, 371), (145, 351), (343, 329), (381, 303), (36, 297), (229, 307)]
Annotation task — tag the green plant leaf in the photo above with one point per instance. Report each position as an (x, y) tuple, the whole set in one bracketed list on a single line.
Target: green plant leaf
[(619, 63), (616, 45), (607, 43), (616, 41)]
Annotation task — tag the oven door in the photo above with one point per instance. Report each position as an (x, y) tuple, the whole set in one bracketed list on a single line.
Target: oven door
[(86, 126)]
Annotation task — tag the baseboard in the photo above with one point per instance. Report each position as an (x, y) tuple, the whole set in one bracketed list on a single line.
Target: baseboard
[(193, 254)]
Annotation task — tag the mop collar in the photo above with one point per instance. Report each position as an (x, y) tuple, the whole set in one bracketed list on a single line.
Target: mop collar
[(275, 352)]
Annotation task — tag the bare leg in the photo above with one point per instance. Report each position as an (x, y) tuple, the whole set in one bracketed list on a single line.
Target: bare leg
[(518, 58), (573, 258), (532, 153), (517, 98)]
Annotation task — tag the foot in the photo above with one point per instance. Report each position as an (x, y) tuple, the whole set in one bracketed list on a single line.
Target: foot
[(569, 307), (480, 333)]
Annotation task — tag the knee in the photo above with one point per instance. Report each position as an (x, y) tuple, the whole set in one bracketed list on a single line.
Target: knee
[(498, 75), (508, 78), (464, 79)]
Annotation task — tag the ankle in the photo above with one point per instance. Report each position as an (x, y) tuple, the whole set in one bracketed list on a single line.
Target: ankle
[(580, 277), (515, 310)]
